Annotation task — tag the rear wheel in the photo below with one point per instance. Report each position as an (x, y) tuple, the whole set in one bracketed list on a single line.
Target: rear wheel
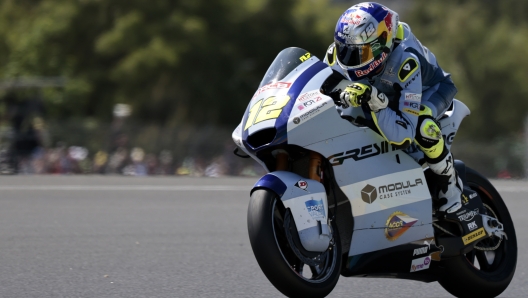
[(291, 269), (487, 270)]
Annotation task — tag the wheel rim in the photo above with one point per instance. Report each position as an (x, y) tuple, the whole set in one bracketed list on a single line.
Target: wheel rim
[(300, 265), (490, 253)]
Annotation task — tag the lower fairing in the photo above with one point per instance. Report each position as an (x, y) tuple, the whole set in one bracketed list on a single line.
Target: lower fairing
[(402, 262)]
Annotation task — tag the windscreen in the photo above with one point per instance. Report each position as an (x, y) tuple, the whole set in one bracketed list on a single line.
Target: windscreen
[(287, 60)]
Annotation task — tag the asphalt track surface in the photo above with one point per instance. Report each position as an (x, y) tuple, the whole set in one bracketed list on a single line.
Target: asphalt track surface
[(106, 236)]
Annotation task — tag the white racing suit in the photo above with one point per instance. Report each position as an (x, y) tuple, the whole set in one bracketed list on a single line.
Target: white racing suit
[(419, 92)]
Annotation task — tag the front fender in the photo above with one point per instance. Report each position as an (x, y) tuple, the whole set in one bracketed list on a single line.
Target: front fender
[(308, 204)]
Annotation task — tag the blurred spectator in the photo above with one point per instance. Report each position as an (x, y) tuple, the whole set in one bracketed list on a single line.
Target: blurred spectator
[(165, 163), (217, 168), (118, 160), (187, 167), (24, 116), (151, 163), (72, 159), (99, 162), (78, 159), (137, 167)]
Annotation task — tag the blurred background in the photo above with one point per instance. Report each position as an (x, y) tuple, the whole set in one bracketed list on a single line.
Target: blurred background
[(156, 87)]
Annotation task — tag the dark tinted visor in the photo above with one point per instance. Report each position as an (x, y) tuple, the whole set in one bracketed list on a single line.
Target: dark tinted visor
[(354, 55)]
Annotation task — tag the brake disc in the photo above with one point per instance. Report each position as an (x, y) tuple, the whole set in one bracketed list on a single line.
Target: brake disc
[(310, 261)]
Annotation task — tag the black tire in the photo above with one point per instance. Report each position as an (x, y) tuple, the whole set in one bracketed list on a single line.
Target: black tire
[(491, 278), (275, 255)]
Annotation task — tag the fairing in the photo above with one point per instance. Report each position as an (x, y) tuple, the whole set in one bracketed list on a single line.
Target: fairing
[(269, 110)]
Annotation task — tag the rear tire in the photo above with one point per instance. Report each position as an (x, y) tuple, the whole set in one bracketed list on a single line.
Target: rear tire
[(481, 273), (278, 259)]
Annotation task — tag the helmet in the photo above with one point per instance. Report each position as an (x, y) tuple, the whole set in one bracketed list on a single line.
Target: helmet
[(364, 38)]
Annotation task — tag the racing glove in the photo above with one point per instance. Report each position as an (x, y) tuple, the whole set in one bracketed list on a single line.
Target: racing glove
[(357, 94)]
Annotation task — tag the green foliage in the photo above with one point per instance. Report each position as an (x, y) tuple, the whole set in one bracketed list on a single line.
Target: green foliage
[(175, 62), (197, 62), (483, 44)]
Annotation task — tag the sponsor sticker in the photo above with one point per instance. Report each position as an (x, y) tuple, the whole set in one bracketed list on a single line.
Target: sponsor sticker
[(302, 184), (397, 224), (420, 264), (369, 194), (413, 96), (474, 236), (392, 190), (315, 208), (309, 102), (472, 225), (471, 196), (305, 57), (411, 80), (420, 251), (307, 95), (408, 67), (372, 66), (412, 105), (312, 112), (469, 215), (360, 153), (465, 200), (277, 85), (387, 82), (410, 111)]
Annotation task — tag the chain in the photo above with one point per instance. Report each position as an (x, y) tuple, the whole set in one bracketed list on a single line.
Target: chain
[(443, 230), (476, 247)]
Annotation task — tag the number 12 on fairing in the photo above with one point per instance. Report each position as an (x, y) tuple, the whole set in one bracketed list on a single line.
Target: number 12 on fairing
[(266, 109)]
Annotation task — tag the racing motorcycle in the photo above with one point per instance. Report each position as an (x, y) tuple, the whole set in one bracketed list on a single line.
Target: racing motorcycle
[(338, 199)]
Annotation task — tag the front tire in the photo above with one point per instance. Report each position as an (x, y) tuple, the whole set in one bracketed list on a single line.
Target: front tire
[(484, 273), (288, 267)]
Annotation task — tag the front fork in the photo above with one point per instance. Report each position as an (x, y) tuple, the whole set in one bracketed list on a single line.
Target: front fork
[(306, 198)]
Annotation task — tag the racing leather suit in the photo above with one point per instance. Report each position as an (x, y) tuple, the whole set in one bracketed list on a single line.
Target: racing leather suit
[(419, 93)]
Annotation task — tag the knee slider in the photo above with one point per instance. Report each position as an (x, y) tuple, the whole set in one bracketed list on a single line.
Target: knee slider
[(429, 133)]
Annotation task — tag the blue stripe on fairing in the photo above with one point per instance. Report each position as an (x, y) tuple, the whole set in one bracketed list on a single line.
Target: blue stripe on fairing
[(271, 182), (281, 124)]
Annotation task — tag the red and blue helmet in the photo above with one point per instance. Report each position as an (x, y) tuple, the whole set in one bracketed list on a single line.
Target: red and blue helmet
[(364, 38)]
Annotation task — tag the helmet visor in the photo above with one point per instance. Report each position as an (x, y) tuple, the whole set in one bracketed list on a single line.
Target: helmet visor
[(354, 55)]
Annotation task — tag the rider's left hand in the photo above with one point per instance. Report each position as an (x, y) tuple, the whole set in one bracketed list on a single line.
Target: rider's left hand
[(355, 94), (358, 93)]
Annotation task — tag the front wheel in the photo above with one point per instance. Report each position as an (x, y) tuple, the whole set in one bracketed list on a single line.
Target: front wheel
[(488, 269), (292, 270)]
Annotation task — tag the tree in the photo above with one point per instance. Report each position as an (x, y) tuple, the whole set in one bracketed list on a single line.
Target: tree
[(483, 45), (174, 61)]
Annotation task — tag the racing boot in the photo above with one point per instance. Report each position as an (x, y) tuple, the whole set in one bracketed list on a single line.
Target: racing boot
[(449, 184)]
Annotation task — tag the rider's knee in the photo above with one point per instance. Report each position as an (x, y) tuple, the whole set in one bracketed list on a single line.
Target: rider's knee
[(429, 135)]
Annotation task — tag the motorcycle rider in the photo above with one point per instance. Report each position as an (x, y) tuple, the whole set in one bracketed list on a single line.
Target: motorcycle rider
[(400, 85)]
